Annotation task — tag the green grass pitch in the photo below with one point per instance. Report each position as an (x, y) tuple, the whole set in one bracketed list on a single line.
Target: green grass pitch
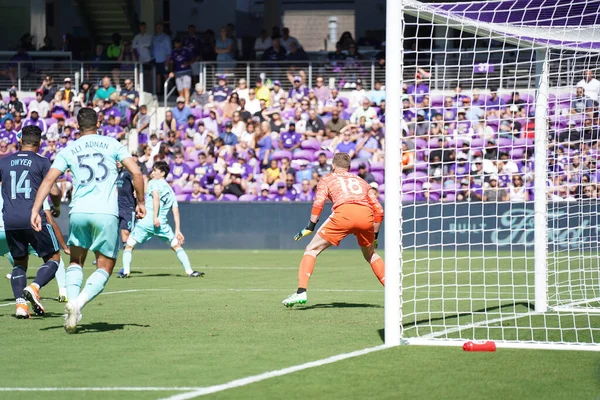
[(160, 329)]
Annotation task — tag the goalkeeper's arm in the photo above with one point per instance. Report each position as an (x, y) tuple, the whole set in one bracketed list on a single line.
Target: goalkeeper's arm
[(317, 208)]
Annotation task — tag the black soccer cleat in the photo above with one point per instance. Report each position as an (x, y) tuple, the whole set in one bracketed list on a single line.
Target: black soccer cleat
[(196, 274)]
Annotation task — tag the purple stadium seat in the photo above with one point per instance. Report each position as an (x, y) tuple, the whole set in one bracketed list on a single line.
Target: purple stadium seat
[(229, 197), (176, 189), (181, 198), (418, 176), (49, 121), (382, 188), (433, 144), (378, 175), (187, 190), (477, 143), (517, 153), (421, 143), (27, 100), (377, 166), (356, 162), (421, 166), (304, 155), (450, 197), (187, 143), (247, 197), (408, 198), (345, 101), (311, 144), (436, 100), (505, 142), (197, 113), (279, 154)]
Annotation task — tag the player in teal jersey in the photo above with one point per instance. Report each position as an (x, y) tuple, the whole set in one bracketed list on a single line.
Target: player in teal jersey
[(160, 199), (94, 223)]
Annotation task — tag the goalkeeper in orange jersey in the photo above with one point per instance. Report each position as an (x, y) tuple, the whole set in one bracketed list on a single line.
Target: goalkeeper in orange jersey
[(356, 210)]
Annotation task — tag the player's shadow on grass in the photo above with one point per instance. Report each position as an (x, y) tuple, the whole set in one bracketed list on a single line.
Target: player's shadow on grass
[(448, 318), (98, 327), (339, 305), (157, 275)]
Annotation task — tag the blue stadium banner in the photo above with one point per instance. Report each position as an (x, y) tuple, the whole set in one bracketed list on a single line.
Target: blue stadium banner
[(453, 225)]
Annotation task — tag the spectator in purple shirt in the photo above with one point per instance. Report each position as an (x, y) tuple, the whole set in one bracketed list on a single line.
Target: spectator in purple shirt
[(110, 108), (196, 195), (218, 192), (321, 91), (418, 90), (477, 100), (199, 169), (63, 140), (493, 103), (299, 91), (34, 119), (346, 145), (306, 193), (290, 190), (181, 60), (112, 129), (290, 140), (209, 180), (180, 171), (9, 134), (450, 112), (264, 193), (282, 194)]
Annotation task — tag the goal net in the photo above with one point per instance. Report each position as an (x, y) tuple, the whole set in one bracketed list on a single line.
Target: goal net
[(500, 186)]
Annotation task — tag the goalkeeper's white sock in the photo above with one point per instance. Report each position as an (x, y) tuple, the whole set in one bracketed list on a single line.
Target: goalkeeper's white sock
[(184, 260)]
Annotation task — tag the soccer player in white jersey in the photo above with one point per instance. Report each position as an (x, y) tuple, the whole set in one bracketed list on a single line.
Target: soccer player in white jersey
[(94, 216)]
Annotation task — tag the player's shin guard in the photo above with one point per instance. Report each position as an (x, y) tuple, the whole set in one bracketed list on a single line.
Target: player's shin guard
[(18, 281), (126, 262), (184, 260), (93, 287), (378, 267), (307, 266), (46, 273), (73, 281), (61, 275)]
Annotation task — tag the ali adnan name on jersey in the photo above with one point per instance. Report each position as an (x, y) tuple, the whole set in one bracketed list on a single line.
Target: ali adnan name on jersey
[(90, 144)]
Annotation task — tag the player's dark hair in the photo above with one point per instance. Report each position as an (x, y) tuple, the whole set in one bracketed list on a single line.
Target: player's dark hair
[(342, 160), (31, 136), (87, 119), (162, 166)]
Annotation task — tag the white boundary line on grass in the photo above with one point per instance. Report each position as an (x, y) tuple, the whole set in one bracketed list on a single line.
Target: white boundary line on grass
[(272, 374), (193, 392), (100, 389)]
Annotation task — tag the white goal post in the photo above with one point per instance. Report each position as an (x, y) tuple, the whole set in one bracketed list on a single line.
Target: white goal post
[(492, 185)]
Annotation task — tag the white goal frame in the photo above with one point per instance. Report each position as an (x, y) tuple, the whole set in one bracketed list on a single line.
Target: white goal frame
[(393, 199)]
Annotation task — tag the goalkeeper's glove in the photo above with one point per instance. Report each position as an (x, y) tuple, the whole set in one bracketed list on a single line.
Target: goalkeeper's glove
[(376, 242), (306, 231)]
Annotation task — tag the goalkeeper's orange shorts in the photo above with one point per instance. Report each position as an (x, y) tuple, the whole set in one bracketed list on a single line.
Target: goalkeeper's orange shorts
[(349, 219)]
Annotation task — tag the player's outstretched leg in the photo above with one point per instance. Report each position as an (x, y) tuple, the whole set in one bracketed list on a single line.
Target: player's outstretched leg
[(307, 266), (184, 260), (61, 281), (376, 262), (18, 282), (44, 275)]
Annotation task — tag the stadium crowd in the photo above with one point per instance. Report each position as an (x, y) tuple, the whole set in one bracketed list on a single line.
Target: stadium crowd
[(251, 142)]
